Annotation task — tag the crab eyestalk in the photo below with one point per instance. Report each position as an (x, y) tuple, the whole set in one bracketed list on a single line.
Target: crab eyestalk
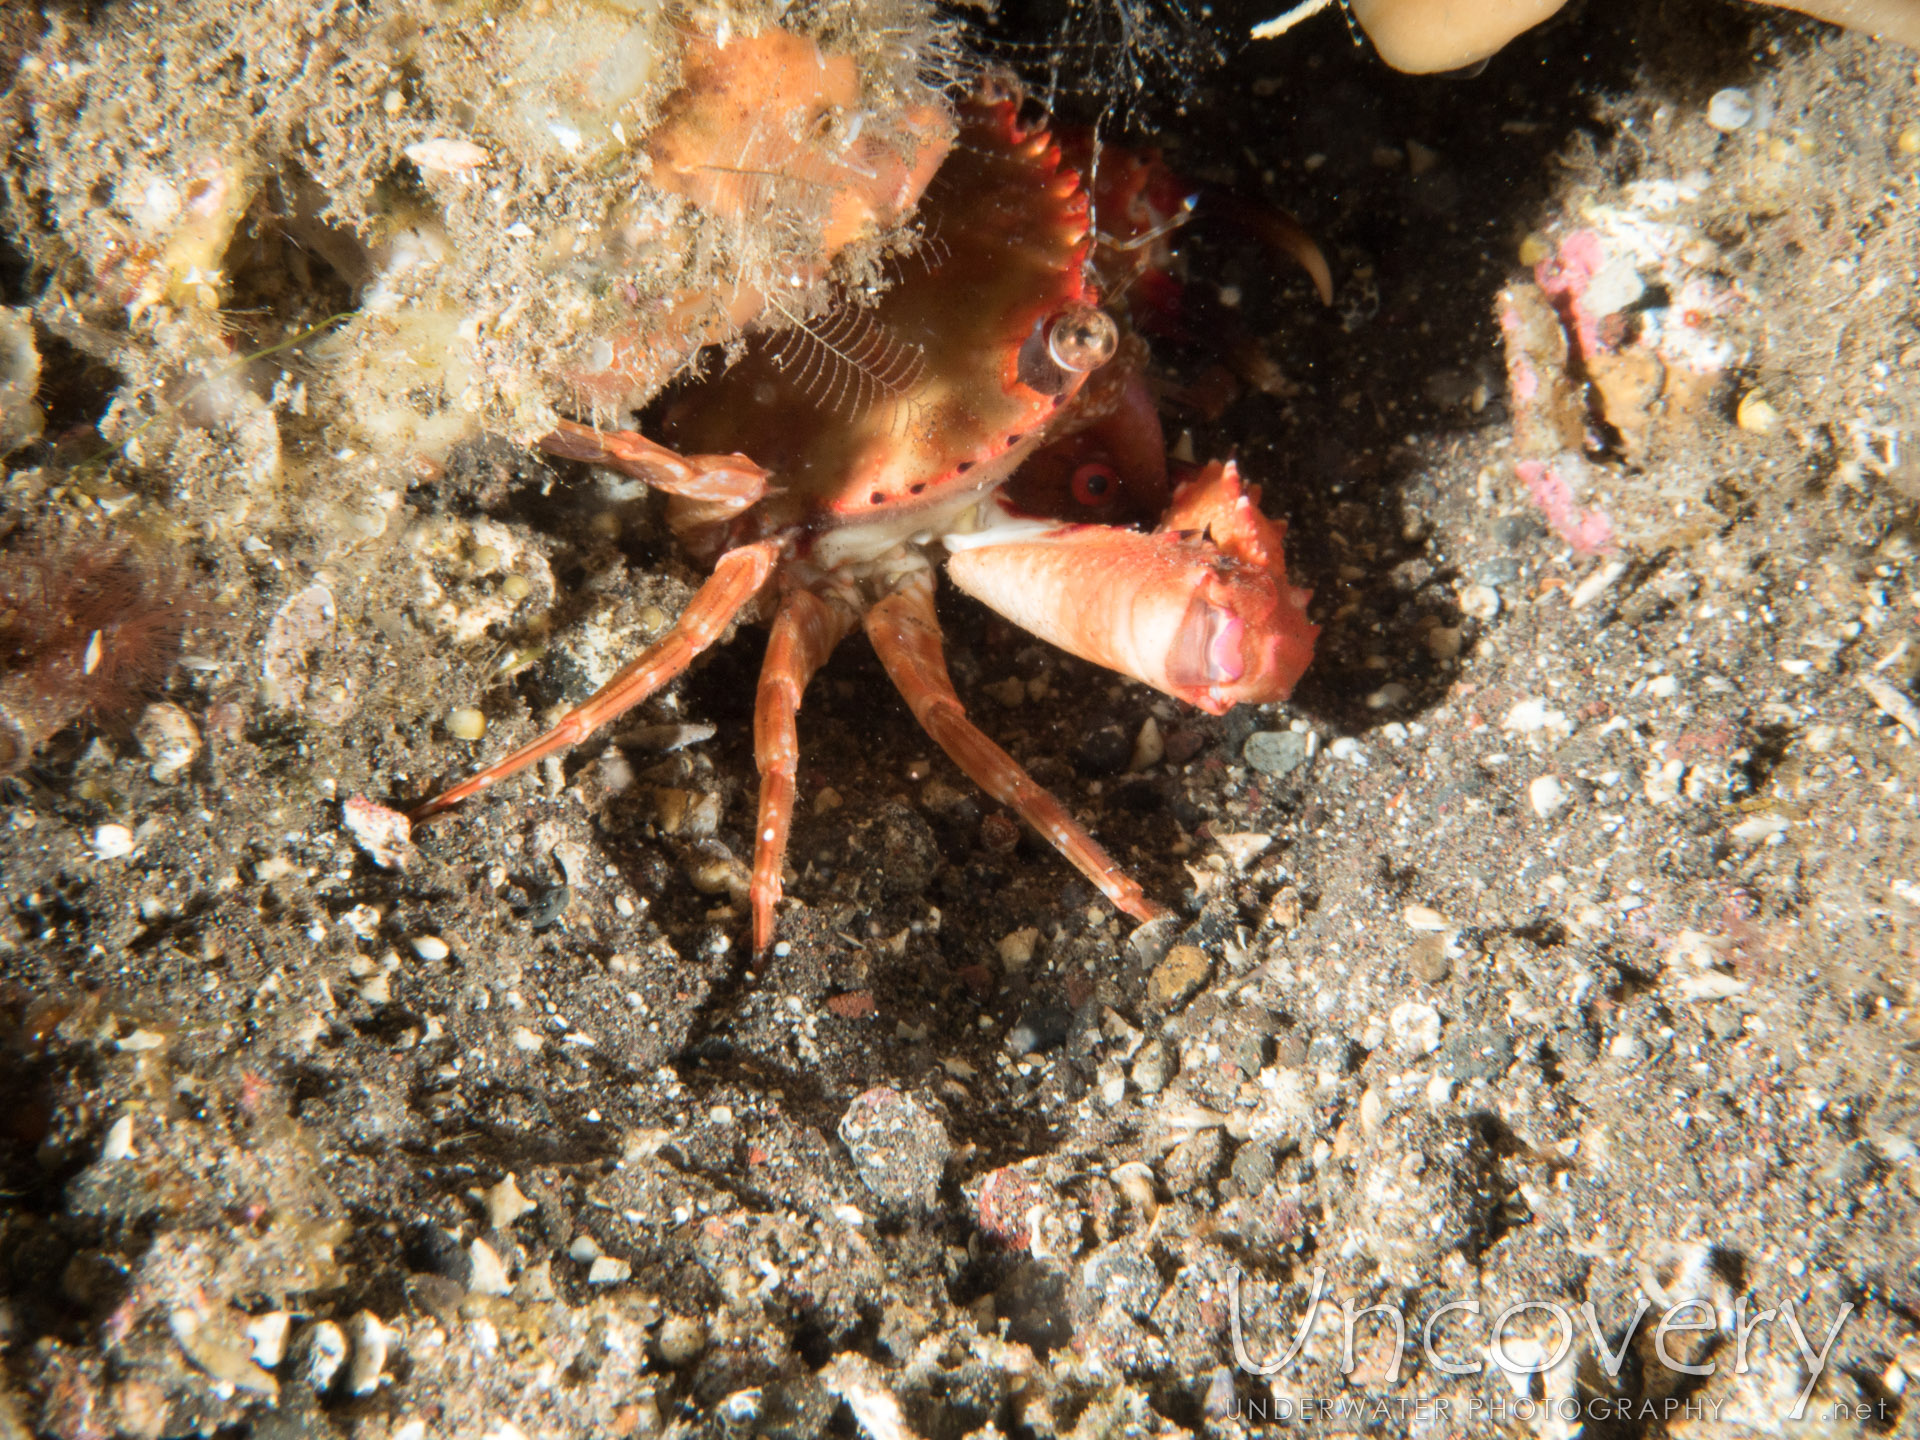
[(1200, 609)]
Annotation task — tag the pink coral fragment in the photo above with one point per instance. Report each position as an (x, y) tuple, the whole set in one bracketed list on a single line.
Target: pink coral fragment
[(1588, 531)]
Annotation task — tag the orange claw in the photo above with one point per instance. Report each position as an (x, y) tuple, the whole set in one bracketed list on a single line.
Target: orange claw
[(805, 630), (740, 575), (1200, 609), (907, 638)]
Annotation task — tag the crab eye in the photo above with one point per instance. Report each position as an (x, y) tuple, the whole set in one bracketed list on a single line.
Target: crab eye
[(1082, 338), (1093, 483)]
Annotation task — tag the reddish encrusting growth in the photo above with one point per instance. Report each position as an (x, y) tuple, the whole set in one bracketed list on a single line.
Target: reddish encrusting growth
[(86, 628)]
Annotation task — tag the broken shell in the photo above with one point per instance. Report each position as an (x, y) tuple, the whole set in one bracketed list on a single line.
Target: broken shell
[(1135, 1180), (386, 835), (506, 1204), (1547, 796), (370, 1341), (440, 156), (465, 723), (112, 842), (1756, 414), (169, 738)]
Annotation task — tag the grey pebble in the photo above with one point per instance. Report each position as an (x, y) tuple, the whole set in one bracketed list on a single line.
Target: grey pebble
[(1275, 752), (899, 1148), (1253, 1166)]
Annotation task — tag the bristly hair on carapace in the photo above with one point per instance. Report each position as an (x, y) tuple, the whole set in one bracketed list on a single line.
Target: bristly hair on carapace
[(87, 627)]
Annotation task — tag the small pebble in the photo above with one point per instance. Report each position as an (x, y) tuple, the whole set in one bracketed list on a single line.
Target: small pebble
[(169, 738), (1008, 1199), (1444, 641), (1424, 919), (112, 842), (1480, 602), (1711, 985), (386, 835), (1177, 977), (1149, 748), (1042, 1026), (267, 1334), (681, 1338), (608, 1270), (1416, 1028), (319, 1353), (1275, 752), (1428, 959), (466, 724), (1152, 1068), (853, 1005), (430, 947), (1756, 414), (1760, 828), (440, 155), (1017, 946), (489, 1274), (1730, 110), (899, 1149), (119, 1141), (1243, 848), (506, 1204), (1390, 696), (1547, 796), (1627, 1046), (370, 1341), (1150, 941)]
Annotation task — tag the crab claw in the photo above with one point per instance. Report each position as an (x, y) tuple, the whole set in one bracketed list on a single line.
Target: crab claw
[(1200, 608)]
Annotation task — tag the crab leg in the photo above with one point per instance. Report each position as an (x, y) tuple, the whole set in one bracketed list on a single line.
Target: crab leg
[(805, 630), (907, 637), (718, 486), (738, 577)]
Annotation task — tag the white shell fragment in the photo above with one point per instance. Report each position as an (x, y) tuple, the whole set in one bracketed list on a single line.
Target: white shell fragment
[(386, 835), (1760, 828), (371, 1339), (169, 738), (119, 1142), (1424, 919), (608, 1270), (440, 156), (112, 842), (1416, 1028), (267, 1334), (466, 723), (506, 1203), (301, 626), (489, 1275), (1730, 110)]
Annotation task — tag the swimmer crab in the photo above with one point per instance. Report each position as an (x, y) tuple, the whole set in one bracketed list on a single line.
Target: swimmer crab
[(995, 355)]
